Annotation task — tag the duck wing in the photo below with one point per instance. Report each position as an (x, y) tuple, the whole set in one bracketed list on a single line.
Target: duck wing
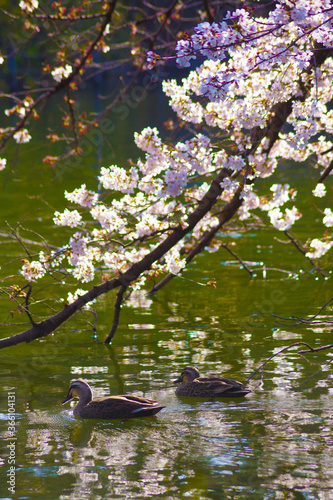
[(223, 387), (138, 399), (120, 407)]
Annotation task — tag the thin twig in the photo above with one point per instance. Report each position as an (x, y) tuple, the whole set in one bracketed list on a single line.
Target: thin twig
[(27, 305), (301, 249), (72, 116), (224, 245), (18, 238)]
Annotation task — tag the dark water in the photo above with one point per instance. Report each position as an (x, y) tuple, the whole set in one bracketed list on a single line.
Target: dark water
[(276, 443)]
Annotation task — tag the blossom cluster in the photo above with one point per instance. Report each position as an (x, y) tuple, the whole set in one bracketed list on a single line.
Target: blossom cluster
[(251, 65), (22, 136), (61, 72), (28, 5)]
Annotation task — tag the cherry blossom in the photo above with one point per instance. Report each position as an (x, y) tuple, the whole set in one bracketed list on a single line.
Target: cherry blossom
[(283, 221), (61, 72), (318, 248), (328, 219), (71, 297), (32, 270), (320, 190), (28, 5), (22, 136), (82, 196), (68, 218)]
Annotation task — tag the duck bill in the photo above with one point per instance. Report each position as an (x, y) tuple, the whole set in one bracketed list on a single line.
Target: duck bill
[(178, 381), (69, 398)]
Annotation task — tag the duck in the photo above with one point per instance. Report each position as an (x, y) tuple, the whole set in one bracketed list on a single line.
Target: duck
[(193, 385), (109, 407)]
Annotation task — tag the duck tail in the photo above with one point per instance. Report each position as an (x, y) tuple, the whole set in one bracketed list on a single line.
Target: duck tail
[(146, 411)]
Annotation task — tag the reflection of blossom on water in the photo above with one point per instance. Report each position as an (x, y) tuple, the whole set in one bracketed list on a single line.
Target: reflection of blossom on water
[(139, 299)]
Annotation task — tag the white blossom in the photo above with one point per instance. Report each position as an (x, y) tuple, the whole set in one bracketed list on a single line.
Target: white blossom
[(150, 225), (61, 72), (148, 140), (174, 263), (28, 5), (68, 218), (175, 181), (280, 196), (84, 270), (283, 221), (318, 248), (22, 136), (32, 270), (328, 219), (71, 297), (82, 196), (118, 179), (51, 260), (320, 190)]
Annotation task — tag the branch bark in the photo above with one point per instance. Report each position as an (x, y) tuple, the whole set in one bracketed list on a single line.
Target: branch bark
[(117, 307)]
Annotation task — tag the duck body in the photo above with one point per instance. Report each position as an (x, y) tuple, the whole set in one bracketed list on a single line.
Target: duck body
[(193, 385), (110, 407)]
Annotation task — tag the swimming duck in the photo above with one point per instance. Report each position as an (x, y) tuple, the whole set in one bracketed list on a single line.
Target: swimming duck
[(111, 406), (192, 384)]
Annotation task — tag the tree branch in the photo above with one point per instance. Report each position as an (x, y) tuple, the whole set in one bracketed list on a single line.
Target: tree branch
[(208, 11), (117, 308), (326, 172)]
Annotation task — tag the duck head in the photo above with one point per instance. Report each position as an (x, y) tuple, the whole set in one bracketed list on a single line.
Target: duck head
[(78, 389), (188, 375)]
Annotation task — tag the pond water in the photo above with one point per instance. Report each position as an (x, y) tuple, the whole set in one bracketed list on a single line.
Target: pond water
[(275, 443)]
